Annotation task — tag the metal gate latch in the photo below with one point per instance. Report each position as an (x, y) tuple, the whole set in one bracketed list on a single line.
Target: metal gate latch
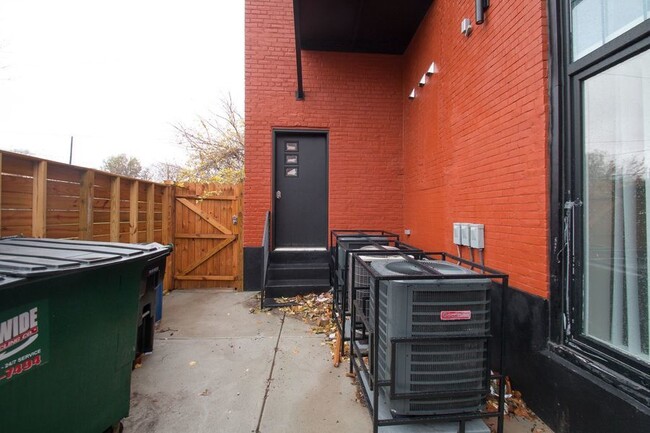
[(235, 219), (278, 194)]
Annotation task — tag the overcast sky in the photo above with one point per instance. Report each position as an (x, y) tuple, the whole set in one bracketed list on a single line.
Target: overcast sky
[(114, 74)]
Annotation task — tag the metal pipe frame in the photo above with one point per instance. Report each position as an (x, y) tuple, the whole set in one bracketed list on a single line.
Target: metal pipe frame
[(300, 92), (340, 307), (358, 366), (266, 245)]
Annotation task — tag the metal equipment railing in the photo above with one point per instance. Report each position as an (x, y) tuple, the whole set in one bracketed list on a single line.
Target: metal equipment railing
[(368, 374), (340, 260), (266, 244)]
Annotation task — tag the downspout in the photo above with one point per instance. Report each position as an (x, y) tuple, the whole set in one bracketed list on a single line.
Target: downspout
[(300, 93)]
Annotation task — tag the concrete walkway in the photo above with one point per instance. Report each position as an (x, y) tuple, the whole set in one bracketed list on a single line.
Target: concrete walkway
[(211, 365), (217, 367)]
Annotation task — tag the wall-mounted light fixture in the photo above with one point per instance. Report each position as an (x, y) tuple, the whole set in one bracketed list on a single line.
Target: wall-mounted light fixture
[(466, 27), (481, 6), (433, 69)]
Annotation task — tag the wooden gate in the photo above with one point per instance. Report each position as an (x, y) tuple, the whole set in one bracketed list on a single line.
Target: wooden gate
[(208, 244)]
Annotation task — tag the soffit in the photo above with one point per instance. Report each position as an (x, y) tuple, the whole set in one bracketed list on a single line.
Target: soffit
[(371, 26)]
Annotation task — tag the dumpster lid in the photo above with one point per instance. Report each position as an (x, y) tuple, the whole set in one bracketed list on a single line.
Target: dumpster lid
[(13, 261), (125, 250), (28, 257), (8, 280)]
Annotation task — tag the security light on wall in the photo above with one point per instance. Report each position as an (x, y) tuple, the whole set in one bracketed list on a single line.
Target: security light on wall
[(481, 6), (466, 26)]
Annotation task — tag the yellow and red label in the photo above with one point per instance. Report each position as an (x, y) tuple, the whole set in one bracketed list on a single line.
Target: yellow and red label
[(24, 339)]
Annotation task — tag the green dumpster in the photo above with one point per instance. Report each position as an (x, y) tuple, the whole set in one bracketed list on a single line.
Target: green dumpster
[(69, 317)]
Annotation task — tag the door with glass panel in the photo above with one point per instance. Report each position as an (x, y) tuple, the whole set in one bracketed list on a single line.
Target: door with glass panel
[(611, 139), (616, 173)]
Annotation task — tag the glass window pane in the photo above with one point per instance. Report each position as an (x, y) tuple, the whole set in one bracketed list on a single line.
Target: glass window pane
[(616, 113), (586, 26), (595, 22), (622, 15)]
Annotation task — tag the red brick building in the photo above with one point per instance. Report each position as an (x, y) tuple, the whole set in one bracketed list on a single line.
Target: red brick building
[(509, 130)]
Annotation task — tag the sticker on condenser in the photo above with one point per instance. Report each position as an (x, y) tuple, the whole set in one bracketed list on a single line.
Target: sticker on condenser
[(24, 339), (456, 315)]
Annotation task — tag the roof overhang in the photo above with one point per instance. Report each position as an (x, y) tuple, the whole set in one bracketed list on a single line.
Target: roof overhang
[(358, 26), (373, 26)]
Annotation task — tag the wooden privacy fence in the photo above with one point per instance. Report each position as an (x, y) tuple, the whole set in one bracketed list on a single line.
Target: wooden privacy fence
[(42, 198)]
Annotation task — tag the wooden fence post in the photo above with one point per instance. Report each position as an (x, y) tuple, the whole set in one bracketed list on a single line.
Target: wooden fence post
[(151, 207), (115, 210), (168, 232), (133, 212), (86, 201), (39, 199)]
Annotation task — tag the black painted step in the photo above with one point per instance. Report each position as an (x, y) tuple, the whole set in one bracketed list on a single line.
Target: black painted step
[(275, 303), (295, 257), (301, 271), (293, 287), (292, 273)]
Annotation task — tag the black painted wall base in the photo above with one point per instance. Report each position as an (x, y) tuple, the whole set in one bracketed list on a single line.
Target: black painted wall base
[(253, 259), (568, 398)]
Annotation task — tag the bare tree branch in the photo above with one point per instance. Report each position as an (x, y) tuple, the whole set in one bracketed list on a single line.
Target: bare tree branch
[(215, 145)]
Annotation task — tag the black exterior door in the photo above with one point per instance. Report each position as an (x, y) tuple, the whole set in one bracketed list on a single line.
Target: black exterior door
[(300, 210)]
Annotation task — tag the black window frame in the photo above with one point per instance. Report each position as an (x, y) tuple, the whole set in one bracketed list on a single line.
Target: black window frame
[(566, 155)]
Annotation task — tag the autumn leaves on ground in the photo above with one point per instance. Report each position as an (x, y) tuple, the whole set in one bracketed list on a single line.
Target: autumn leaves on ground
[(316, 310)]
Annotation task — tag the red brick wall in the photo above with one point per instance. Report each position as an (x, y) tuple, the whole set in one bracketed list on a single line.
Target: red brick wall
[(471, 147), (357, 98), (475, 137)]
